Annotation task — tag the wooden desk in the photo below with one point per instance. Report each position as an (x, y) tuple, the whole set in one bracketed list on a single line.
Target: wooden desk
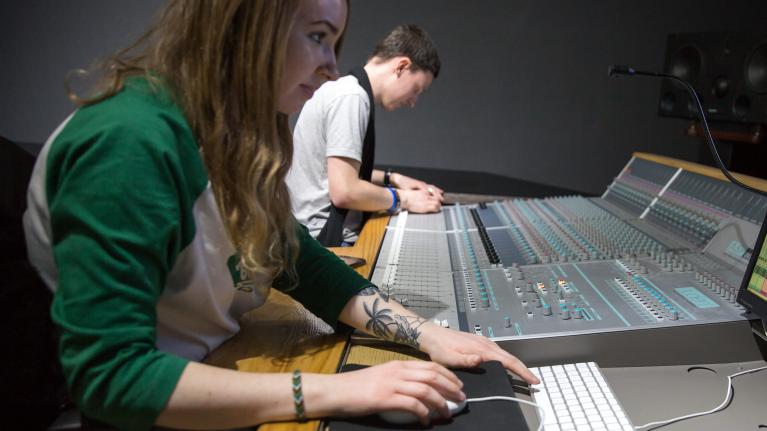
[(282, 336)]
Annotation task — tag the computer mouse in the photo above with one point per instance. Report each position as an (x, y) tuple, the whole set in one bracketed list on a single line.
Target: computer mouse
[(401, 417)]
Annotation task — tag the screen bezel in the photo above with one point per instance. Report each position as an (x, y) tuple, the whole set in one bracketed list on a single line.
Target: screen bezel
[(746, 298)]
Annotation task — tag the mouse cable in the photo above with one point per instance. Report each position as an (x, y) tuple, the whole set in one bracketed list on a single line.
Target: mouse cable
[(714, 410), (516, 400)]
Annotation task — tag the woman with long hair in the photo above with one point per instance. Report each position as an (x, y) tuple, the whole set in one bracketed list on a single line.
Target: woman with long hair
[(159, 214)]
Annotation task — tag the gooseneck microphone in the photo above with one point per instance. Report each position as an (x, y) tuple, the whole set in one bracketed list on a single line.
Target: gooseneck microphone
[(617, 70)]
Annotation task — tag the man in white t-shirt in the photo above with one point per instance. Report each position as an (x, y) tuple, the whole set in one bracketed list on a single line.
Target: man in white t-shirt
[(332, 181)]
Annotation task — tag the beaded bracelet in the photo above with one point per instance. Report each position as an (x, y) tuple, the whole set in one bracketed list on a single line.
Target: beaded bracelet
[(298, 396)]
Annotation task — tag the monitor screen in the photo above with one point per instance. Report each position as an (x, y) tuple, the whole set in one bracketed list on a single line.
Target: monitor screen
[(753, 290)]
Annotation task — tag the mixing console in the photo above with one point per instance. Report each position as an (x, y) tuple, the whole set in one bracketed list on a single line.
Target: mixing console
[(646, 273)]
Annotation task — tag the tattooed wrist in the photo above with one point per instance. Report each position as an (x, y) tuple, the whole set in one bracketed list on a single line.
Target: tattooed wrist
[(387, 324)]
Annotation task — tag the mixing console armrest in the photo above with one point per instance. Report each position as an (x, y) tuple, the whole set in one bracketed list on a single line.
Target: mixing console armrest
[(759, 327)]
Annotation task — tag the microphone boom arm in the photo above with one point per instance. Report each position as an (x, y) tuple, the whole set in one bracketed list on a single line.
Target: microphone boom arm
[(615, 70)]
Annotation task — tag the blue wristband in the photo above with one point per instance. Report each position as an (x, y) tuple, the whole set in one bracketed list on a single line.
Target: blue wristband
[(395, 200)]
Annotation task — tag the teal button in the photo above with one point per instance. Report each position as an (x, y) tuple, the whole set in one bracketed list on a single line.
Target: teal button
[(696, 297), (736, 250)]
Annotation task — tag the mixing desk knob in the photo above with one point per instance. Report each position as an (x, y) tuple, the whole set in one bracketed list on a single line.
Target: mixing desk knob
[(577, 313), (507, 322), (547, 310), (444, 323), (674, 315), (565, 314)]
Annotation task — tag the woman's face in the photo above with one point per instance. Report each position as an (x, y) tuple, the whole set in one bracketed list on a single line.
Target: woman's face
[(311, 59)]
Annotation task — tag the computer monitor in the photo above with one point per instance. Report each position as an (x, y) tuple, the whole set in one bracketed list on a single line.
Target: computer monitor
[(753, 289)]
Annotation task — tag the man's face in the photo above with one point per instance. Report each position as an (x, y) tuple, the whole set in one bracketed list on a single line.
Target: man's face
[(404, 88)]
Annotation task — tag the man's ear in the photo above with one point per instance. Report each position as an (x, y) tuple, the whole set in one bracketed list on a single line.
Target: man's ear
[(402, 64)]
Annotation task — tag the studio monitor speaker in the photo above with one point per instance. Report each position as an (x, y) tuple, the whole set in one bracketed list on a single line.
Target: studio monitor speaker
[(727, 70)]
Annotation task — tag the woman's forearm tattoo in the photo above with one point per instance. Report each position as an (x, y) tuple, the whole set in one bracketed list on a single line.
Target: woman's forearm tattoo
[(384, 323), (373, 290)]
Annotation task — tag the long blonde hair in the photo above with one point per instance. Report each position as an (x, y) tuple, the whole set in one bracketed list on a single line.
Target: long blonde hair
[(222, 61)]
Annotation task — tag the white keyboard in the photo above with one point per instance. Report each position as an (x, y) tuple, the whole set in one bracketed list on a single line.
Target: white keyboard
[(577, 397)]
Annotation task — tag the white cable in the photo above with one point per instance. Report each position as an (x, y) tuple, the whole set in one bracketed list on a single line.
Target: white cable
[(517, 400), (716, 409)]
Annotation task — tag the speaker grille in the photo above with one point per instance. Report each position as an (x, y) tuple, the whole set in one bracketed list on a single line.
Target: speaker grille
[(756, 69), (687, 63), (727, 70)]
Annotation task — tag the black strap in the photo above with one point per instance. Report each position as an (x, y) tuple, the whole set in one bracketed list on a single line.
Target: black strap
[(332, 234)]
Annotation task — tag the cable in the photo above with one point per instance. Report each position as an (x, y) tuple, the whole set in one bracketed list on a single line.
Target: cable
[(625, 70), (516, 400), (714, 410), (710, 139)]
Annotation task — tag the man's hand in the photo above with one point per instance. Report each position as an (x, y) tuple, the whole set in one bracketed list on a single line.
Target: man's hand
[(460, 349), (419, 201), (404, 182)]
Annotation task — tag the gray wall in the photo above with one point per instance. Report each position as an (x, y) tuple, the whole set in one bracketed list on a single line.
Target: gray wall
[(523, 91)]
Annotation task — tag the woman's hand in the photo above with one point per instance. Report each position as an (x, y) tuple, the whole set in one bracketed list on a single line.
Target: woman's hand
[(417, 387), (463, 350)]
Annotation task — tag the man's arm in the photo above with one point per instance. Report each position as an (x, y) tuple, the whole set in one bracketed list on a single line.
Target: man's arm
[(347, 190), (377, 177), (406, 183)]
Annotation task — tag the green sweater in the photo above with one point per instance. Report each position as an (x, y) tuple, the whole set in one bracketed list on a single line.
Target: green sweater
[(123, 225)]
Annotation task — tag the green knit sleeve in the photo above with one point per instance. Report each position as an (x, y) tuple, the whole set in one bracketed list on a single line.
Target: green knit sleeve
[(325, 282), (119, 207)]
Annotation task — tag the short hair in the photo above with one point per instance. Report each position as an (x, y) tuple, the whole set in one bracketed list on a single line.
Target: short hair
[(413, 42)]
